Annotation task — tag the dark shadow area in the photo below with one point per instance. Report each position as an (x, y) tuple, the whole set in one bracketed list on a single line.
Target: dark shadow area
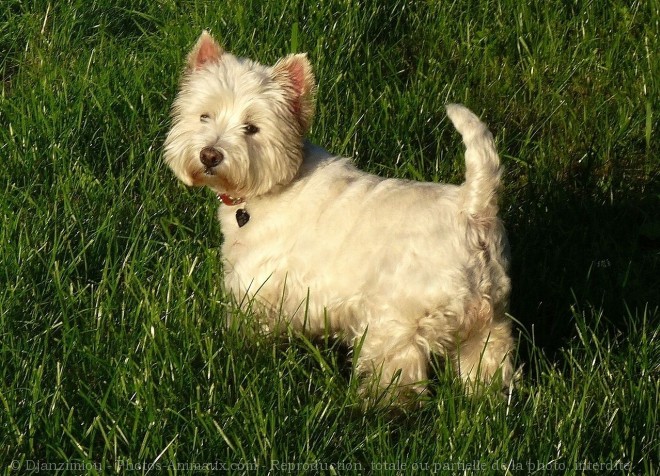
[(572, 252)]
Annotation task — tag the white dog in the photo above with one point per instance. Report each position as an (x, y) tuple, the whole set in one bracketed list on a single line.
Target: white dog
[(404, 268)]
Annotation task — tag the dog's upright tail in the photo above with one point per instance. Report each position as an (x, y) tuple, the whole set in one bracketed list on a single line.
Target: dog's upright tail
[(482, 164)]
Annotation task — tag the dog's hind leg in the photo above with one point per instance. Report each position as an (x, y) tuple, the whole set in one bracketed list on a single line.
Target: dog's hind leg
[(393, 364), (485, 356)]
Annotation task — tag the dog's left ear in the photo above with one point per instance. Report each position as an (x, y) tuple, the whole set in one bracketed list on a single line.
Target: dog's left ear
[(294, 73), (206, 50)]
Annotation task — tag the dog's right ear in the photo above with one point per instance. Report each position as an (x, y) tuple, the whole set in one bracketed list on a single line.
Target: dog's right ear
[(205, 51)]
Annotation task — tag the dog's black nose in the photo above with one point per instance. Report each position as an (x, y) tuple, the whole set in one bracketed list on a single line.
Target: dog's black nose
[(210, 157)]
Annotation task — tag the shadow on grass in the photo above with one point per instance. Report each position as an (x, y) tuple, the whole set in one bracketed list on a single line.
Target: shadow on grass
[(572, 251)]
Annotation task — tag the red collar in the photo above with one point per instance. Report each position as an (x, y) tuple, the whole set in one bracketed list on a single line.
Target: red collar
[(229, 200)]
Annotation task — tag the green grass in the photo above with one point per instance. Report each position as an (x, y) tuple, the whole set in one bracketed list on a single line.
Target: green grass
[(114, 350)]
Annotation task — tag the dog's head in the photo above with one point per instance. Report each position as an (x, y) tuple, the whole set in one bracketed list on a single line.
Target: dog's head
[(237, 125)]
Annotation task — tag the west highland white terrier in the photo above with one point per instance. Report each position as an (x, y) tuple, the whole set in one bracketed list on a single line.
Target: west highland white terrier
[(397, 269)]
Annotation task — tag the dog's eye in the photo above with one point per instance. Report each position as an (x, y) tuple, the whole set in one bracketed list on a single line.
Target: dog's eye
[(204, 118), (251, 129)]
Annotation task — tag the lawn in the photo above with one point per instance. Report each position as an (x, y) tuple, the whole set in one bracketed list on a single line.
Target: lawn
[(115, 356)]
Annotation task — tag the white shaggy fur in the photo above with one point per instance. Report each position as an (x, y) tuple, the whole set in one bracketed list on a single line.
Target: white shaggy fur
[(411, 268)]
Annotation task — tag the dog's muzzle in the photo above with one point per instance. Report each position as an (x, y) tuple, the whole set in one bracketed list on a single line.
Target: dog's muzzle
[(210, 157)]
